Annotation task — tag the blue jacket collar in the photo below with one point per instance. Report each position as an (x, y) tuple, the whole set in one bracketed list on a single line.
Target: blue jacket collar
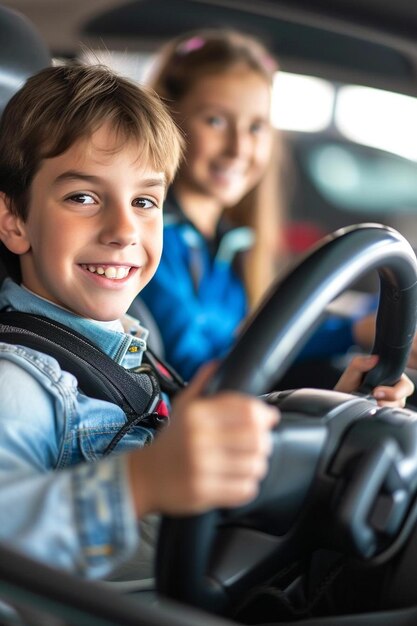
[(112, 342)]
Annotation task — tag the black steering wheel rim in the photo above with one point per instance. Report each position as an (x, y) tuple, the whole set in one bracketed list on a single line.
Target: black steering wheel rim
[(267, 346)]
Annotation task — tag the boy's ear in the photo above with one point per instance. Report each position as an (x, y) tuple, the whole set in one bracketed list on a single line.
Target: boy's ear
[(12, 229)]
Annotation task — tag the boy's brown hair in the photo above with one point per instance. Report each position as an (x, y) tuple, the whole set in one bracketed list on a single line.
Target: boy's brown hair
[(60, 105)]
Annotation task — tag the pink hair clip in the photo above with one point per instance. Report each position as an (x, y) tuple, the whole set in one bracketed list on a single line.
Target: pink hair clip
[(269, 63), (195, 43)]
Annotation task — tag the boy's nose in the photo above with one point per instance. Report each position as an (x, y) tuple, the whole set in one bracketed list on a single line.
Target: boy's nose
[(119, 227)]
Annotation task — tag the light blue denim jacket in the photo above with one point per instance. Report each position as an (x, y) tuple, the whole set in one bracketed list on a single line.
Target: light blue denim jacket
[(53, 505)]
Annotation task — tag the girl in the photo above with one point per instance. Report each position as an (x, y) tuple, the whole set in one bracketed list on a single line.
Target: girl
[(223, 234), (218, 87)]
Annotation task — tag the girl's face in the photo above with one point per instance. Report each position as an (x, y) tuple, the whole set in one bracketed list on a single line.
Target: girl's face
[(226, 118)]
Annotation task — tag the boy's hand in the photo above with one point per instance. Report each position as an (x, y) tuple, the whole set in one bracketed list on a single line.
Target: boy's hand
[(352, 377), (213, 453)]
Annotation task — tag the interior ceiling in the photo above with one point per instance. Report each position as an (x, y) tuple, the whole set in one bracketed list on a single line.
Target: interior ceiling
[(372, 41)]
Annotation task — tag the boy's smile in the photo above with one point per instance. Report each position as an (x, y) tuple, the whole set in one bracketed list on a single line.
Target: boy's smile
[(94, 229)]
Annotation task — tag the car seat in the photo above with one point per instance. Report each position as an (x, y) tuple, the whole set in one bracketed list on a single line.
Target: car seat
[(22, 53)]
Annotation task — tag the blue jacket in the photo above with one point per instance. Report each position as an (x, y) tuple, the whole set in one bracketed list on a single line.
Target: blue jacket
[(198, 298), (60, 501)]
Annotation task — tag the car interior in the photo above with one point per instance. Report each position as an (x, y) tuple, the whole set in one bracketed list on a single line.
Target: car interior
[(341, 488)]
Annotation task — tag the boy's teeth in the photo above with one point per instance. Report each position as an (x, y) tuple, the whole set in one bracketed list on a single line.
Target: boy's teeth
[(109, 272)]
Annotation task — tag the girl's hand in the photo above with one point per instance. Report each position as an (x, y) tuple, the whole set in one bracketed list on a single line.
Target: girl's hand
[(352, 377)]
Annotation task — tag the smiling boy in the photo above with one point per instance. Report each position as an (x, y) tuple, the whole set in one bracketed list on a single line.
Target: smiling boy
[(96, 212), (85, 160)]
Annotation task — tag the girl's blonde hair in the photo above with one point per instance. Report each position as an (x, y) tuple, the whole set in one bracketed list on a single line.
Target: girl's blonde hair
[(180, 64)]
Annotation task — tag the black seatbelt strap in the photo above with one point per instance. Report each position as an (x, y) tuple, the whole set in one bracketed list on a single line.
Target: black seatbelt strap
[(169, 379), (98, 376)]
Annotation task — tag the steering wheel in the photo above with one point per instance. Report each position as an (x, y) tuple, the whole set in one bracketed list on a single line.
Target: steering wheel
[(321, 453)]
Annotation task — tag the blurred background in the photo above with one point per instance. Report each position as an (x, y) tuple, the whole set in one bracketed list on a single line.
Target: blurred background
[(345, 98)]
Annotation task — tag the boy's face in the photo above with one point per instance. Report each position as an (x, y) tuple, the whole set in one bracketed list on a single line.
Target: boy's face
[(94, 227)]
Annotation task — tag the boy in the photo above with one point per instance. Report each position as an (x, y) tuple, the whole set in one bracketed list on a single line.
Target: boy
[(85, 160), (82, 189)]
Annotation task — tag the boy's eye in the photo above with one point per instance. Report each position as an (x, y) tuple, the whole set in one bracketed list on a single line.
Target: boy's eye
[(82, 198), (144, 203)]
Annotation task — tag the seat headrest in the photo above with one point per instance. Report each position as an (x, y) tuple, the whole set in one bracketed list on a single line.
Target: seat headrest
[(22, 53)]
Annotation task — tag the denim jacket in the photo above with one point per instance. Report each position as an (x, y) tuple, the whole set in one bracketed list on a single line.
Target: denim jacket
[(60, 501)]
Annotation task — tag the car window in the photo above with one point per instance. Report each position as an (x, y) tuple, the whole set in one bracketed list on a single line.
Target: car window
[(359, 179)]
